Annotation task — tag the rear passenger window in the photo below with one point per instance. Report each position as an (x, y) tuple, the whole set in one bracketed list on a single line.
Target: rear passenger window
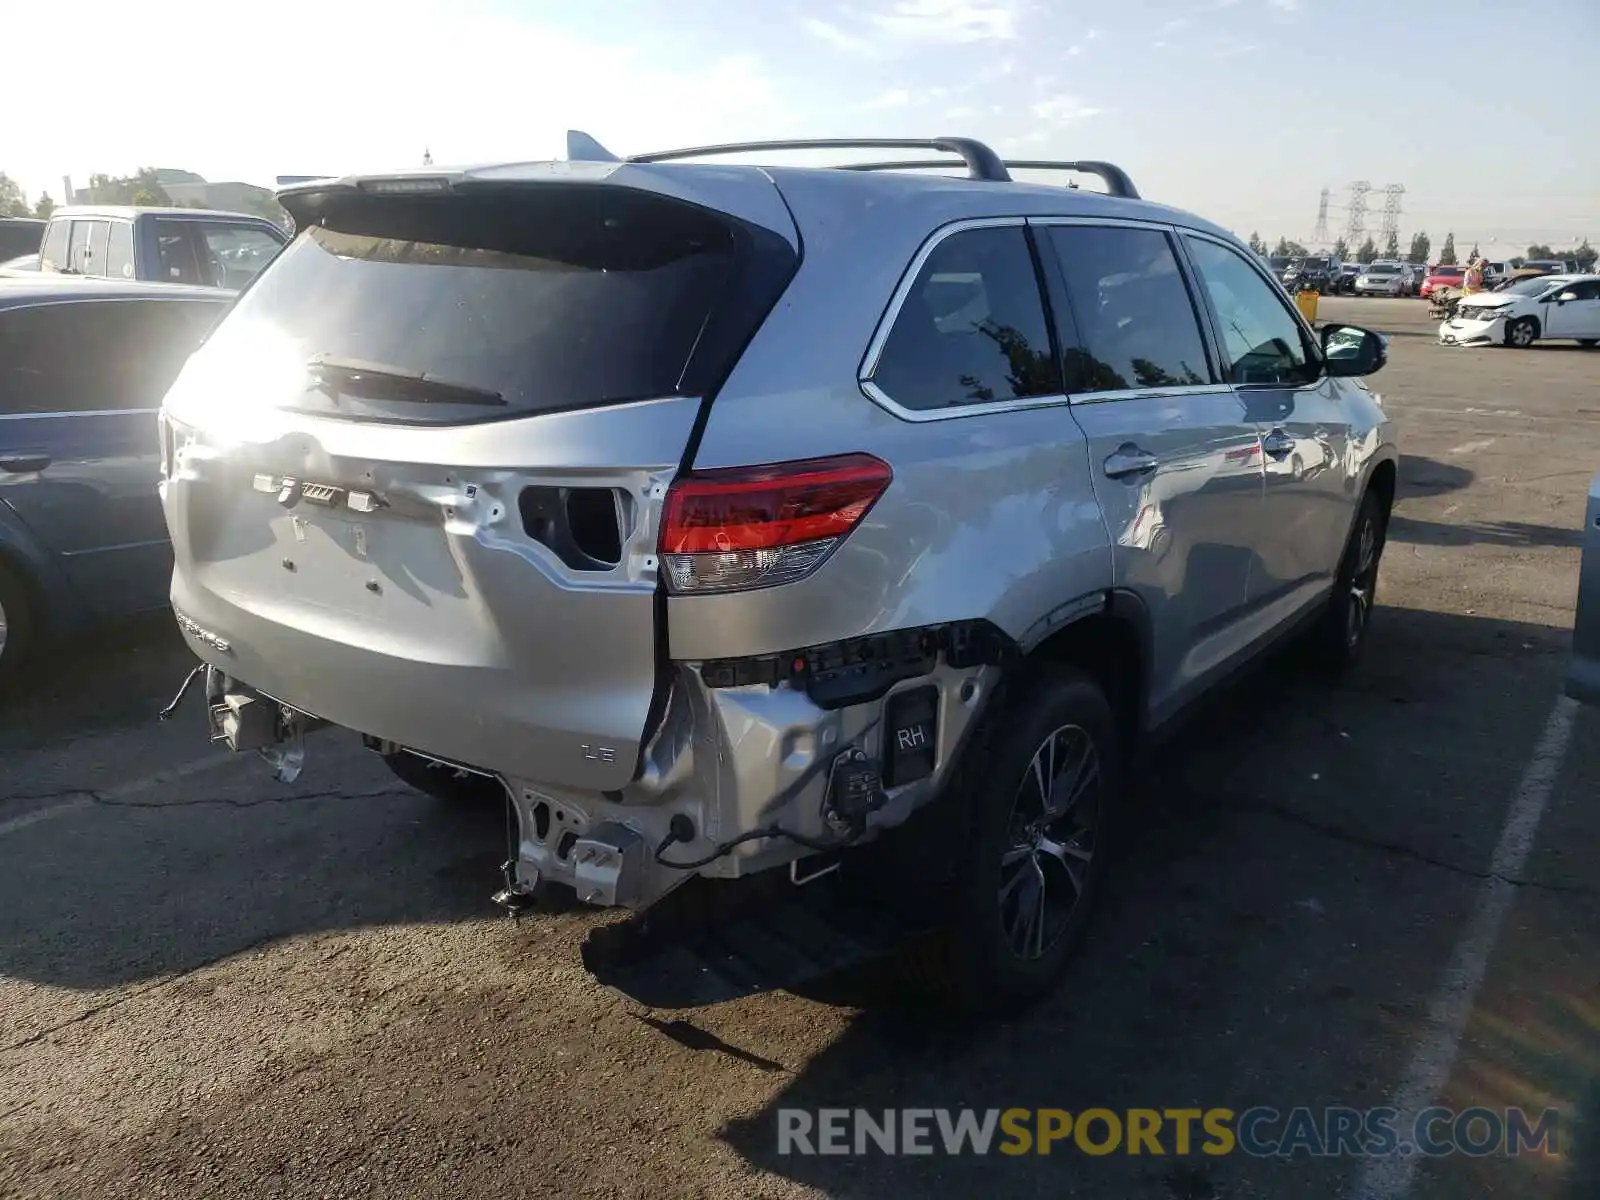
[(53, 254), (94, 259), (106, 354), (1262, 340), (972, 328), (1136, 322), (119, 255)]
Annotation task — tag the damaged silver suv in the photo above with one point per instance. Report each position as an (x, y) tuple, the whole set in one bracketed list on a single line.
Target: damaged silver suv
[(724, 517)]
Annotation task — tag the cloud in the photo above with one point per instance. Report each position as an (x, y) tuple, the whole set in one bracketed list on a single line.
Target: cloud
[(834, 36), (1063, 108), (1285, 6), (951, 22), (894, 98), (1176, 25)]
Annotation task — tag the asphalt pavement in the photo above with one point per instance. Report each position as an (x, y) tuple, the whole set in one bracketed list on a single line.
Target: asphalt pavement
[(1383, 891)]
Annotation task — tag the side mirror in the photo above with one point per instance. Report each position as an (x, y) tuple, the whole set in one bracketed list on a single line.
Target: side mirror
[(1349, 351), (1565, 296)]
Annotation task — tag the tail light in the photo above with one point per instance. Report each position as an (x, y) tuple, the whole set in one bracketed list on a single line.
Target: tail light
[(754, 527)]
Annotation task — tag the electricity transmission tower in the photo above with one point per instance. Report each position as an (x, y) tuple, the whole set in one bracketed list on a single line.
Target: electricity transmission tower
[(1391, 212), (1355, 230), (1319, 235)]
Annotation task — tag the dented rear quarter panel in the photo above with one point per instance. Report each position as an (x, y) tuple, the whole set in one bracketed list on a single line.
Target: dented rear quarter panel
[(988, 516)]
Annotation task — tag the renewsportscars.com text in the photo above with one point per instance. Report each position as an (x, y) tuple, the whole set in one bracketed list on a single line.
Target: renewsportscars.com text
[(1260, 1132)]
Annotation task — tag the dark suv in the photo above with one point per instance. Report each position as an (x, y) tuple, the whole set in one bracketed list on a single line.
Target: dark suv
[(83, 366)]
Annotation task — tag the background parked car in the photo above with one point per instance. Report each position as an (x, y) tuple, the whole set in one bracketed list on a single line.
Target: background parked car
[(27, 264), (1551, 266), (1442, 276), (83, 366), (20, 235), (1316, 272), (1344, 280), (1382, 279), (199, 247)]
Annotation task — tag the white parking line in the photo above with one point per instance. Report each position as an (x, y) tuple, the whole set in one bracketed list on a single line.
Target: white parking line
[(1389, 1178), (1469, 447), (113, 794)]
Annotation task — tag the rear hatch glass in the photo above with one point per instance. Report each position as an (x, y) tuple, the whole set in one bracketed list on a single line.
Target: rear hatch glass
[(429, 309)]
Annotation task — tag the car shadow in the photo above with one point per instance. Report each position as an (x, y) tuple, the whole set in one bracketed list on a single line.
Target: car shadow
[(1288, 839), (1429, 477), (1488, 533), (116, 674), (1279, 822)]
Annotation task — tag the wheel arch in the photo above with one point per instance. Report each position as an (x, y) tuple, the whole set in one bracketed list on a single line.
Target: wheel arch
[(1112, 643)]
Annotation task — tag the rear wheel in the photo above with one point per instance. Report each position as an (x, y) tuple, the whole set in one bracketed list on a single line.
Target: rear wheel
[(444, 782), (1340, 635), (1032, 808), (16, 624), (1522, 332)]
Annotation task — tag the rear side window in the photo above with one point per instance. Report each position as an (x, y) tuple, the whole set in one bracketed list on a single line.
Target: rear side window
[(53, 254), (119, 254), (438, 310), (99, 355), (972, 328), (1262, 341), (94, 261), (1136, 323)]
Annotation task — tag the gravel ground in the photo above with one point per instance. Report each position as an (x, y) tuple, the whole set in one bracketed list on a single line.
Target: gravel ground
[(213, 985)]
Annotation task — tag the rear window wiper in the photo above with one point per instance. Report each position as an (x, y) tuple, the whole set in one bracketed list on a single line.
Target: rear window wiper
[(377, 381)]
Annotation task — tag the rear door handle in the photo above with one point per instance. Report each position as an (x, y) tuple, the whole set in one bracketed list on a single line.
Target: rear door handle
[(1277, 443), (1128, 459), (25, 464)]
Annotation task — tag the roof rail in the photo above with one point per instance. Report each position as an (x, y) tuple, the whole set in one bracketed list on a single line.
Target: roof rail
[(1116, 179), (981, 162)]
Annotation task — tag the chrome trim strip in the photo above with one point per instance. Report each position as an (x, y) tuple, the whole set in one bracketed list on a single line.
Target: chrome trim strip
[(86, 412), (950, 412), (1126, 222), (148, 542), (1111, 396)]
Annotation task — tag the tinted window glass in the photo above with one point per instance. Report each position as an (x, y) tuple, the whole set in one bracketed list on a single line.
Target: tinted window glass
[(1261, 339), (105, 354), (547, 299), (1134, 315), (53, 255), (94, 262), (234, 253), (177, 259), (78, 247), (1585, 291), (972, 328), (119, 254), (20, 237)]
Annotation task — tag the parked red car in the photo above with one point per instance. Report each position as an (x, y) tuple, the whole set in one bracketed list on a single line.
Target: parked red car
[(1442, 277)]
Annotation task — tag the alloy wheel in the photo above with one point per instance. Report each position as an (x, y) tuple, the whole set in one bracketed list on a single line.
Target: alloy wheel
[(1522, 335), (1054, 816), (1363, 582)]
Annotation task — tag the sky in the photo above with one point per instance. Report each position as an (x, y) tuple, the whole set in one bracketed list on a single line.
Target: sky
[(1240, 110)]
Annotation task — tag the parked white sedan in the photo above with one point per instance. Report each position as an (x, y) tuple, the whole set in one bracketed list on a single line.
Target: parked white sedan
[(1564, 307), (1383, 279)]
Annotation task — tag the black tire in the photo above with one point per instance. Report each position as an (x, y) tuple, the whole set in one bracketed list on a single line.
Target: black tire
[(1340, 634), (18, 624), (443, 782), (977, 963), (1522, 333)]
